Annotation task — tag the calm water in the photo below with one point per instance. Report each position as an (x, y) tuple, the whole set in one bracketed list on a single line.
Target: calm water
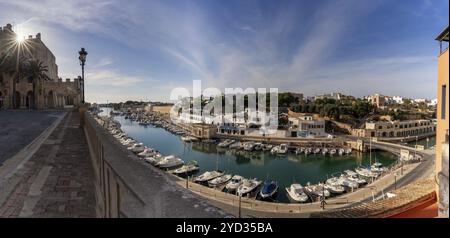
[(285, 169)]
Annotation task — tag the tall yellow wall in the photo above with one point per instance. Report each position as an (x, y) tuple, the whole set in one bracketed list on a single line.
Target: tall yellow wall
[(442, 126)]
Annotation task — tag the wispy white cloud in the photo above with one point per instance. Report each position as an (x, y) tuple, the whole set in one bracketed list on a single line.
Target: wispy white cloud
[(112, 78)]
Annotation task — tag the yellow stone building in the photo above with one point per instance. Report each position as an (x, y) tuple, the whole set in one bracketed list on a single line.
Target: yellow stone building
[(49, 92), (442, 147)]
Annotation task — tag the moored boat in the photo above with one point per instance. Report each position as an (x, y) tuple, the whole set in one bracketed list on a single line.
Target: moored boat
[(269, 189), (220, 180), (247, 186), (234, 183), (297, 193)]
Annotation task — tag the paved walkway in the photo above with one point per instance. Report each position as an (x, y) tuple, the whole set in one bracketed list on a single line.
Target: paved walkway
[(56, 181), (19, 128)]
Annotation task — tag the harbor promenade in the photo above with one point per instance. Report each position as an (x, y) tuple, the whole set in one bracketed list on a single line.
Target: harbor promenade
[(255, 208), (52, 176)]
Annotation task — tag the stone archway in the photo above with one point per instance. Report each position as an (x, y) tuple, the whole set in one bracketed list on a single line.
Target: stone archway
[(18, 99), (50, 100), (29, 103)]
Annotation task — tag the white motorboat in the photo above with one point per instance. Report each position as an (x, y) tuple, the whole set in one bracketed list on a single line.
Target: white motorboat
[(297, 193), (335, 189), (318, 190), (234, 183), (187, 169), (275, 149), (235, 145), (267, 147), (344, 181), (146, 153), (332, 151), (324, 151), (258, 146), (283, 149), (341, 151), (299, 150), (247, 186), (365, 173), (308, 151), (316, 151), (226, 143), (154, 159), (208, 175), (249, 146), (170, 161), (220, 180), (348, 151), (137, 148), (378, 168)]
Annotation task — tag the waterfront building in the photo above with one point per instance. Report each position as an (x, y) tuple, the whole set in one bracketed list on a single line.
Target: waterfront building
[(393, 129), (442, 146), (49, 92), (432, 103), (306, 126), (203, 131)]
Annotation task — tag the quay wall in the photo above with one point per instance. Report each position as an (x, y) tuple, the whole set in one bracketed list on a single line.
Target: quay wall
[(127, 187)]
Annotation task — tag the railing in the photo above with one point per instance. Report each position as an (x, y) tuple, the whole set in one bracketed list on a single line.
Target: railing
[(126, 187)]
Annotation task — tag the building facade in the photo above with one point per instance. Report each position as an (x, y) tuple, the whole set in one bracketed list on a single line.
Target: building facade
[(396, 129), (442, 146), (49, 92), (306, 126)]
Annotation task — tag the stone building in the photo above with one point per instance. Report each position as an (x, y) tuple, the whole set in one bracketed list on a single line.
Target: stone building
[(49, 93), (397, 129)]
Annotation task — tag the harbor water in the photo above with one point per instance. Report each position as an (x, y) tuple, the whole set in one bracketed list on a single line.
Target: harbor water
[(286, 169)]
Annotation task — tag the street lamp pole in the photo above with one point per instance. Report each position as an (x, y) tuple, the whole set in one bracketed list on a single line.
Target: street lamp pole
[(83, 53)]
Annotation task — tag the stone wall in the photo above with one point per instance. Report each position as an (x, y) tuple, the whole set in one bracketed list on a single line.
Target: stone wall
[(128, 187)]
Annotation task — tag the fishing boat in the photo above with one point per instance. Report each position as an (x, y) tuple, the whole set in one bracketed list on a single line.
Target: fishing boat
[(187, 169), (220, 180), (234, 183), (208, 175), (247, 186), (296, 192), (269, 189), (170, 161), (282, 149)]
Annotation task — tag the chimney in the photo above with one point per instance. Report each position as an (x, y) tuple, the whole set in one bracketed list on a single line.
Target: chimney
[(38, 36)]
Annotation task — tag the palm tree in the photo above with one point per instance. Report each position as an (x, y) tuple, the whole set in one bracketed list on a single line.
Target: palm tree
[(35, 70), (10, 64)]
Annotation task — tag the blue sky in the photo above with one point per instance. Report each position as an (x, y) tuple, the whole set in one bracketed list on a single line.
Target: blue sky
[(141, 50)]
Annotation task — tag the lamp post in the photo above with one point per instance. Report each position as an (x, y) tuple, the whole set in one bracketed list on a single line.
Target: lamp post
[(83, 53)]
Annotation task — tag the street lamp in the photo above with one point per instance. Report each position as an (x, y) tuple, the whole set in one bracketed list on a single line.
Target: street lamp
[(83, 53)]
